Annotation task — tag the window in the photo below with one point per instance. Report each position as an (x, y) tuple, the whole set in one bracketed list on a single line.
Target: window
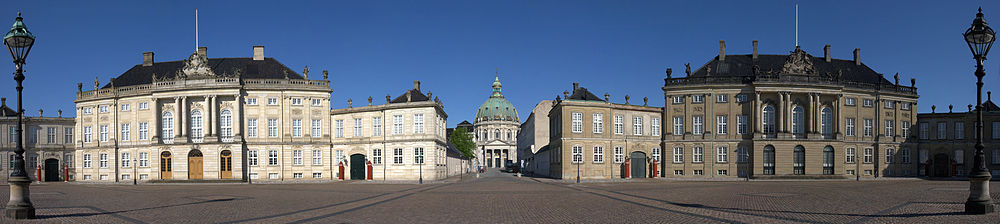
[(104, 133), (296, 157), (418, 123), (619, 154), (959, 130), (272, 101), (124, 107), (340, 155), (722, 154), (397, 156), (850, 122), (798, 120), (50, 136), (678, 154), (905, 126), (272, 157), (338, 127), (252, 157), (143, 159), (890, 104), (32, 135), (143, 106), (317, 175), (995, 158), (697, 154), (889, 128), (868, 103), (67, 135), (252, 127), (679, 172), (126, 160), (102, 109), (251, 101), (849, 101), (577, 122), (697, 122), (721, 124), (377, 156), (317, 102), (799, 160), (656, 155), (768, 160), (297, 175), (87, 134), (272, 175), (103, 160), (637, 125), (126, 176), (959, 156), (697, 98), (598, 154), (86, 161), (850, 152), (272, 127), (828, 160), (88, 110), (678, 125), (297, 128), (125, 133), (868, 128), (942, 130), (296, 101), (196, 125), (826, 120), (904, 106), (654, 125), (598, 123), (768, 120), (418, 155), (619, 125), (869, 153), (577, 154), (740, 98), (904, 156), (699, 172), (924, 132), (377, 126), (397, 124), (721, 98), (678, 99), (226, 124), (143, 131), (317, 128), (741, 124), (996, 130), (889, 154), (742, 155), (86, 177)]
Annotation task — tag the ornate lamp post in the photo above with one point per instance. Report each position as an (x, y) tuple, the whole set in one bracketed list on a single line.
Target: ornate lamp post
[(19, 42), (980, 38)]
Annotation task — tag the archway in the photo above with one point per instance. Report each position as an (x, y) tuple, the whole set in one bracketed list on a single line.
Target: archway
[(941, 165), (226, 164), (195, 166), (358, 167), (166, 167), (638, 164), (51, 170)]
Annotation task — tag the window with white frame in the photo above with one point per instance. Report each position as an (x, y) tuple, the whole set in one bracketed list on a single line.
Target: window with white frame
[(251, 101), (889, 104), (577, 154), (722, 124), (340, 155), (143, 159), (798, 120), (88, 110), (619, 154), (768, 120), (143, 131), (418, 155), (678, 99), (296, 101), (252, 157), (126, 159), (678, 125), (377, 156), (357, 127), (996, 156), (377, 126), (317, 128), (317, 175), (104, 133), (697, 98), (905, 127), (226, 124), (889, 155), (125, 133), (849, 153), (252, 127), (143, 106), (103, 160), (868, 103), (890, 128), (904, 106), (102, 109), (656, 155), (722, 154), (338, 127), (996, 130), (272, 101), (317, 102), (87, 134), (959, 156), (577, 122), (742, 155), (397, 124), (868, 127), (317, 157), (959, 130), (826, 121), (942, 130), (418, 123), (678, 154), (87, 162), (598, 123), (697, 154), (124, 107), (272, 157), (924, 130), (637, 125), (869, 155), (697, 123), (272, 127), (721, 98), (654, 125), (849, 101), (297, 128), (397, 156), (619, 124), (296, 157), (67, 135), (50, 135), (741, 124), (196, 125), (740, 98), (904, 156), (598, 154)]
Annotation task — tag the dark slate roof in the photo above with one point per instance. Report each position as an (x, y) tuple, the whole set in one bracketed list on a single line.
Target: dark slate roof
[(582, 94), (415, 96), (989, 106), (742, 65), (249, 69), (453, 151), (6, 111)]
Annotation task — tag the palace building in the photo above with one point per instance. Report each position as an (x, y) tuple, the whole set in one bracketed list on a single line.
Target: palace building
[(496, 127), (593, 138), (533, 138), (48, 144), (947, 140), (793, 115), (205, 119), (403, 139)]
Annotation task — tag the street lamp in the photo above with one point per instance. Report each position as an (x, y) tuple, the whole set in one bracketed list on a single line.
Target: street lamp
[(980, 38), (19, 42), (577, 158)]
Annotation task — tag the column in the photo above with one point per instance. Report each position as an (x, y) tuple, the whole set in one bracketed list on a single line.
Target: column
[(179, 117), (238, 118), (157, 117), (812, 114), (207, 118), (781, 110), (757, 117), (837, 118)]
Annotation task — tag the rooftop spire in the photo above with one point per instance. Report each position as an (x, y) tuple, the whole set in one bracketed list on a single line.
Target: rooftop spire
[(497, 85)]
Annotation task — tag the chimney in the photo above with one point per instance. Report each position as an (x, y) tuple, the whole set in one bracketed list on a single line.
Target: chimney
[(576, 85), (826, 53), (40, 113), (203, 52), (258, 53), (857, 56), (755, 50), (416, 85), (59, 112), (147, 58), (722, 50)]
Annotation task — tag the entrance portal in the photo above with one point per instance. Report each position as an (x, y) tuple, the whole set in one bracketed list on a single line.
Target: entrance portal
[(195, 166), (357, 167), (51, 170), (941, 165), (226, 164), (166, 167), (638, 164)]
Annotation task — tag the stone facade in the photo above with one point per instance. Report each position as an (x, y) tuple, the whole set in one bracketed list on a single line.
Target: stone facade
[(946, 141), (48, 144), (534, 136), (495, 130)]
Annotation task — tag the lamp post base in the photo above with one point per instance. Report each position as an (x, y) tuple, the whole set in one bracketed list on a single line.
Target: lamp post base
[(978, 207), (979, 200), (19, 206)]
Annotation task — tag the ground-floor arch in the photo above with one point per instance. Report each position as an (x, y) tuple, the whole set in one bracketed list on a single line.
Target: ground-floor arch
[(166, 166), (195, 165), (226, 164)]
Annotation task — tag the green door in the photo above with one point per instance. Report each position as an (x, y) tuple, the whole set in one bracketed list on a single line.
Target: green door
[(358, 167), (638, 164)]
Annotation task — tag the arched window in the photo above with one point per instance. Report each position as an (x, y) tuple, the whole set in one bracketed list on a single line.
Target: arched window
[(226, 124), (196, 125), (768, 120), (769, 160), (828, 160), (509, 133), (496, 133), (799, 160), (798, 121), (167, 126), (827, 121)]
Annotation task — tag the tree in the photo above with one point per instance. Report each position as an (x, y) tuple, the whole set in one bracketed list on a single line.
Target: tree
[(463, 141)]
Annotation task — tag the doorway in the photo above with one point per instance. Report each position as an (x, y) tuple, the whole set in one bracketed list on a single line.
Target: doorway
[(166, 168), (226, 163), (358, 167), (195, 168), (941, 164), (638, 163), (51, 170)]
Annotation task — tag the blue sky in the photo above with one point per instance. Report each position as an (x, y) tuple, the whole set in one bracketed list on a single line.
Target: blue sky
[(374, 48)]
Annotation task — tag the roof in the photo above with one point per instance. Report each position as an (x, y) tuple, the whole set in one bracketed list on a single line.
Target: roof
[(6, 111), (247, 68), (497, 108), (743, 65), (414, 94), (453, 151), (581, 93)]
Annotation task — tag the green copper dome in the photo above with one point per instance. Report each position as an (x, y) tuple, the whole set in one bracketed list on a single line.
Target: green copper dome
[(497, 108)]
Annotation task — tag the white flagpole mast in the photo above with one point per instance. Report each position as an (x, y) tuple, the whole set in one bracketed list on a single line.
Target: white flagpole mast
[(796, 25), (196, 29)]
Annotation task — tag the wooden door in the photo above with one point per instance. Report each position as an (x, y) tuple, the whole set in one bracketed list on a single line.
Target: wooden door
[(165, 166), (226, 163), (195, 168)]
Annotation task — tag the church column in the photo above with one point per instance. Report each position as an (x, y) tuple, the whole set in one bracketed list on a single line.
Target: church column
[(182, 116), (812, 114), (177, 117), (238, 118), (781, 110)]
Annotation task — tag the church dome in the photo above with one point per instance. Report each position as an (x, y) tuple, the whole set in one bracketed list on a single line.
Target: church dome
[(497, 108)]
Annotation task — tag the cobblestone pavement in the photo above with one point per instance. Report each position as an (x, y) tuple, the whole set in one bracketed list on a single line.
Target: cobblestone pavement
[(503, 198)]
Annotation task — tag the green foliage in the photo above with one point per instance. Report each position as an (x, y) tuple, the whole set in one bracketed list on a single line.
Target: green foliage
[(462, 140)]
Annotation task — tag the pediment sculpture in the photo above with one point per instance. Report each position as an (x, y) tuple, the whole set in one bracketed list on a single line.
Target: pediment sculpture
[(798, 62), (196, 66)]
